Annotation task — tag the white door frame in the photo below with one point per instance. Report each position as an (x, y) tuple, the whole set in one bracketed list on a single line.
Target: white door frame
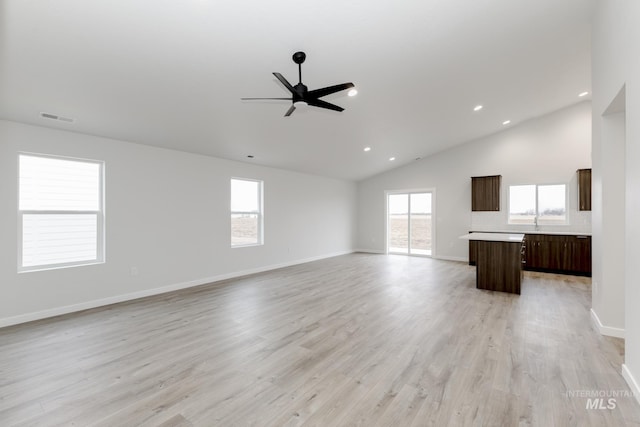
[(387, 193)]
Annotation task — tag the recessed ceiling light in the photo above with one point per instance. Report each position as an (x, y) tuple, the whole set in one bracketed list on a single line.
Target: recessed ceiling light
[(506, 122), (367, 148), (583, 94), (352, 92), (391, 159), (477, 108)]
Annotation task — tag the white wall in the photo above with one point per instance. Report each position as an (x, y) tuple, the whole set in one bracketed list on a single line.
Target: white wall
[(616, 65), (549, 149), (167, 213), (609, 225), (608, 171)]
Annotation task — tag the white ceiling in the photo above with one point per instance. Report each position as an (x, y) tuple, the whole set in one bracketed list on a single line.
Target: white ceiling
[(171, 73)]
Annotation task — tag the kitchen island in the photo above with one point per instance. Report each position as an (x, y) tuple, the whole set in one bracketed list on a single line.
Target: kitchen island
[(499, 261)]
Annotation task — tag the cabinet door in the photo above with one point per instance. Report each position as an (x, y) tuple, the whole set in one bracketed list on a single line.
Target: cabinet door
[(550, 254), (531, 252), (536, 252), (582, 255), (567, 253), (485, 193), (584, 189)]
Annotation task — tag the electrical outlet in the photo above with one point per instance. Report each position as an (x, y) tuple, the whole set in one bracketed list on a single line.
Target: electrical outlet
[(133, 271)]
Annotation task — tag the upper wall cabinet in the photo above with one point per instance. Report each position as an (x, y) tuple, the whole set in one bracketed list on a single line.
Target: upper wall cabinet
[(584, 189), (485, 193)]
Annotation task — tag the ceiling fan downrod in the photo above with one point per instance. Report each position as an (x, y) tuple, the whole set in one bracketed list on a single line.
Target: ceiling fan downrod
[(299, 58)]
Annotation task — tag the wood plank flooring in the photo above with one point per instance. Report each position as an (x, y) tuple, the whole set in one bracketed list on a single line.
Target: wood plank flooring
[(356, 340)]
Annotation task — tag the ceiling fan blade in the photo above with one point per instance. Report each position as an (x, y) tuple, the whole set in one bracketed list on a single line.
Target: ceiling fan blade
[(324, 104), (291, 110), (252, 99), (284, 82), (329, 90)]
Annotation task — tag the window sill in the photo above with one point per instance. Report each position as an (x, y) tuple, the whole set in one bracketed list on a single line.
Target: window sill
[(249, 245), (56, 267)]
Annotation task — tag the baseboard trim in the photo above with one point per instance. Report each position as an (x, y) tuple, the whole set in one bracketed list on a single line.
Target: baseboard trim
[(73, 308), (451, 258), (606, 330), (369, 251), (631, 381), (444, 258)]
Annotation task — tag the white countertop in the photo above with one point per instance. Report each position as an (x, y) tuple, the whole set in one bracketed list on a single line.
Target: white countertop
[(553, 233), (495, 237)]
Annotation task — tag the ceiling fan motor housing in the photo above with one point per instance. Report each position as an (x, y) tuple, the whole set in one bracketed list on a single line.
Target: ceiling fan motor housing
[(299, 57), (300, 92)]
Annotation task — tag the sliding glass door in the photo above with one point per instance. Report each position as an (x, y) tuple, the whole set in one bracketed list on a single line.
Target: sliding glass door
[(409, 225)]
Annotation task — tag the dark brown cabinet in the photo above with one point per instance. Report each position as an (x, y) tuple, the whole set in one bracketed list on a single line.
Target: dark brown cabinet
[(558, 253), (499, 266), (485, 193), (582, 255), (473, 252), (584, 189), (547, 253), (564, 254)]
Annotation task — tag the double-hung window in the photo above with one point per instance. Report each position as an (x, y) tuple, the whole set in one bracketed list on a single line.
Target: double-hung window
[(246, 212), (60, 212), (538, 204)]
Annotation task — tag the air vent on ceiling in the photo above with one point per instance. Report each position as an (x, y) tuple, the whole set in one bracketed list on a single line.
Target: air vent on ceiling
[(56, 117)]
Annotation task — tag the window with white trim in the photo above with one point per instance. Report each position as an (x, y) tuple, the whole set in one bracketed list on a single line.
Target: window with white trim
[(60, 212), (246, 212), (538, 204)]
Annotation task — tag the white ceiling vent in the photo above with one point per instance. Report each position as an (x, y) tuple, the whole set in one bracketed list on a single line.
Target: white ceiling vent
[(56, 117)]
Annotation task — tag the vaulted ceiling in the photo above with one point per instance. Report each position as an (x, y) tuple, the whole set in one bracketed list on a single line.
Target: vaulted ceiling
[(171, 73)]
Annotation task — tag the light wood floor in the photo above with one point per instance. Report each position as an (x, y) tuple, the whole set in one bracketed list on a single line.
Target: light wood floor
[(354, 340)]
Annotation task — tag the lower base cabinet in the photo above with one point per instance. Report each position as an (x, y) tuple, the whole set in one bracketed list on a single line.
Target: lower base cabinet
[(499, 266), (564, 254), (558, 253)]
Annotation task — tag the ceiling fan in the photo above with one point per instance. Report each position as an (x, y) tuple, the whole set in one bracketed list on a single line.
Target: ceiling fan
[(300, 95)]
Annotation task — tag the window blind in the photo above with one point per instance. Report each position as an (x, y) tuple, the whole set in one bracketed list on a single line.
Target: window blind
[(60, 206)]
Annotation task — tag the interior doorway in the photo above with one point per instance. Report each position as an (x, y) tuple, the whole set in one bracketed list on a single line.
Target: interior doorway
[(409, 222)]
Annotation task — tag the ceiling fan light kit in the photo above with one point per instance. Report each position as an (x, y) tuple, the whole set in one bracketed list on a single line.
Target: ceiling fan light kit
[(301, 96)]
